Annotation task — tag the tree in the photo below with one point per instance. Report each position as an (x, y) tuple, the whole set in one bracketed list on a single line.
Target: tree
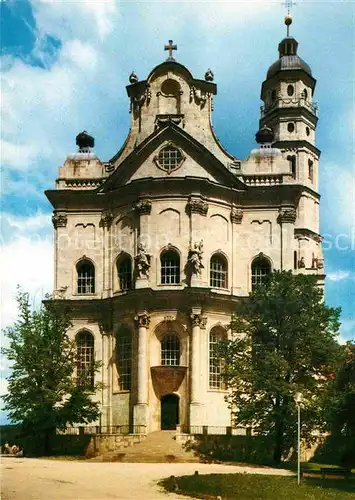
[(284, 341), (340, 407), (43, 392)]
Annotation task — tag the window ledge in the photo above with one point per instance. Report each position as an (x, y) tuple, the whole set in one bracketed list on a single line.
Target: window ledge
[(225, 291), (121, 392), (178, 286)]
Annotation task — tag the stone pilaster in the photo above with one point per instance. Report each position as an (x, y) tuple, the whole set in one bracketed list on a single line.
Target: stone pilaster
[(236, 217), (105, 223), (140, 410), (143, 208), (196, 208), (286, 219), (59, 220), (197, 408), (106, 414)]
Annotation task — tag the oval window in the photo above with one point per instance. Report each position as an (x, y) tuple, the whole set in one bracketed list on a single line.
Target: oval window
[(307, 131), (291, 127), (290, 90)]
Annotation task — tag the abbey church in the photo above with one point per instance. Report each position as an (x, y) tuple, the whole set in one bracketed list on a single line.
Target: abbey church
[(155, 246)]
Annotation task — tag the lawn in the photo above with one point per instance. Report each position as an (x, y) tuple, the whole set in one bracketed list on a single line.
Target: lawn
[(262, 487)]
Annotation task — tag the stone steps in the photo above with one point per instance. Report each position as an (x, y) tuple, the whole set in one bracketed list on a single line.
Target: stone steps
[(158, 447)]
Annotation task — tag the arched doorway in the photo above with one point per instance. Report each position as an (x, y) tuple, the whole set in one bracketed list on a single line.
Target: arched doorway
[(169, 412)]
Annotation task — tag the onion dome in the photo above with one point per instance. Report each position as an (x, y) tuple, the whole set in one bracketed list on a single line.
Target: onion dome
[(209, 76), (84, 141), (133, 78), (288, 59), (264, 135)]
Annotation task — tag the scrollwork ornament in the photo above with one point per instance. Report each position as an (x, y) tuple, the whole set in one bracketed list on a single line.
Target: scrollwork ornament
[(236, 215), (197, 206), (106, 219), (143, 206), (288, 215)]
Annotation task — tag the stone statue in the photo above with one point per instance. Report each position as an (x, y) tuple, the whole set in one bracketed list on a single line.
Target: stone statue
[(195, 258), (301, 263), (142, 262)]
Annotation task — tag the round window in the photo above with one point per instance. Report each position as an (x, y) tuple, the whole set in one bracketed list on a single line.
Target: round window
[(290, 90), (291, 127), (169, 158)]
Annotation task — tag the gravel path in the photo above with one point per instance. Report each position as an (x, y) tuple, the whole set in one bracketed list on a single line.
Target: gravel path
[(37, 479)]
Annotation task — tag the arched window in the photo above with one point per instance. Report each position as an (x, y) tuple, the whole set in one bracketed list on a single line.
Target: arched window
[(292, 160), (260, 269), (218, 271), (295, 260), (215, 362), (170, 350), (124, 358), (85, 359), (86, 277), (310, 170), (170, 267), (124, 272)]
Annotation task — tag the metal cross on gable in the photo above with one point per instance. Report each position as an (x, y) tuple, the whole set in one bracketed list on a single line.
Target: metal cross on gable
[(170, 47)]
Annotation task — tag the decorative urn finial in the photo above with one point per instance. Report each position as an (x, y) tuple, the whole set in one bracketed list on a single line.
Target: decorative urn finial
[(209, 76), (264, 135), (84, 141), (133, 78)]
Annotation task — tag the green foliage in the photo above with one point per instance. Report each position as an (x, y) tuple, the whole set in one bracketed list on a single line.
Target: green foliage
[(284, 342), (260, 487), (43, 391), (339, 404)]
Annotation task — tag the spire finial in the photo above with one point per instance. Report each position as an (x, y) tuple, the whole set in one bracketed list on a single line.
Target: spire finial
[(288, 18)]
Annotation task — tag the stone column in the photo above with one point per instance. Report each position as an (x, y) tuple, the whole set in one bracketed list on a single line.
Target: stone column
[(140, 410), (236, 217), (105, 223), (286, 219), (143, 207), (196, 400), (59, 220), (197, 207)]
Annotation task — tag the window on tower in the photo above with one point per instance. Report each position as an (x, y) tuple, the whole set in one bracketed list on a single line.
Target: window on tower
[(292, 160), (170, 350), (291, 127), (310, 170), (290, 90), (260, 269), (86, 277), (218, 271), (85, 359), (170, 267)]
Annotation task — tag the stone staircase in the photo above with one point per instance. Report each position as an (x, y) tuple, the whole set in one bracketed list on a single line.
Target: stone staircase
[(159, 446)]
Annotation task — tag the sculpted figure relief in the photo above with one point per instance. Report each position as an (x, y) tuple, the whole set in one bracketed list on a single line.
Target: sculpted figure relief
[(195, 258), (142, 262)]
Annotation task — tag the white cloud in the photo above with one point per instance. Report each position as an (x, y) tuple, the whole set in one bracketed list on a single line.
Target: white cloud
[(26, 260), (338, 207), (338, 275)]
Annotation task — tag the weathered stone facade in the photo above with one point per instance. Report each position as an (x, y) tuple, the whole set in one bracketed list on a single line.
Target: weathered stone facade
[(154, 247)]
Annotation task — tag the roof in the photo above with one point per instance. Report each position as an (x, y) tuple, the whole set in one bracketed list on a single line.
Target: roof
[(288, 59)]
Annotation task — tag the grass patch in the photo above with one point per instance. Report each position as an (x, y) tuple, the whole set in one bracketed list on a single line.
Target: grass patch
[(260, 487)]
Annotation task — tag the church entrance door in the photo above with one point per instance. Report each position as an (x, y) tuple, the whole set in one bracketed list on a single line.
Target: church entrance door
[(169, 412)]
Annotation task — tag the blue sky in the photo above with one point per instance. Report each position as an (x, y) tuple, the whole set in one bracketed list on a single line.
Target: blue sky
[(65, 66)]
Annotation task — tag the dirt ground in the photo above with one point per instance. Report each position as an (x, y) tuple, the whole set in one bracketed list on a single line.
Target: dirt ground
[(37, 479)]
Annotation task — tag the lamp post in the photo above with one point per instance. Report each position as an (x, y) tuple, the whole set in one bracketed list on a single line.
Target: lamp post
[(298, 399)]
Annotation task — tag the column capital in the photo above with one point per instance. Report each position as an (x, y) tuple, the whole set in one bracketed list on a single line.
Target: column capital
[(143, 206), (142, 320), (106, 218), (198, 320), (287, 215), (236, 215), (197, 205), (59, 219)]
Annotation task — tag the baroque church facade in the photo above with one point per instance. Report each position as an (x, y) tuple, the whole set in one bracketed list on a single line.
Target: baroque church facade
[(154, 247)]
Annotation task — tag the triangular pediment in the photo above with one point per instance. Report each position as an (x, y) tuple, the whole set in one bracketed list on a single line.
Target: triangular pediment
[(150, 159)]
